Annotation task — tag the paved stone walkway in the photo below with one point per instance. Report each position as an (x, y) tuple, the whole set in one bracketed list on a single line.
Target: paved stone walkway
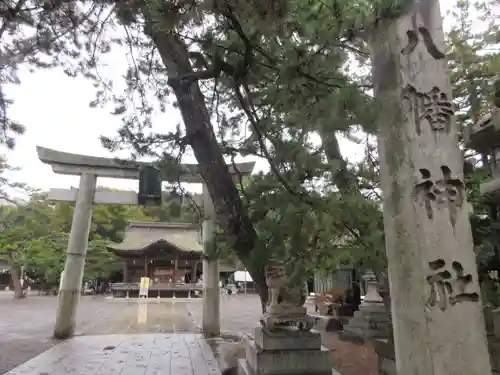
[(26, 326), (153, 354)]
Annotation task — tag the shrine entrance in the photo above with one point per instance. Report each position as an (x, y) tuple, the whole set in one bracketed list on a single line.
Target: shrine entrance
[(169, 254), (89, 168)]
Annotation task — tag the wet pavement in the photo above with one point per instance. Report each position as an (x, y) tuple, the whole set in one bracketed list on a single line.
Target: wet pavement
[(26, 325), (238, 313), (145, 316), (135, 327), (154, 354)]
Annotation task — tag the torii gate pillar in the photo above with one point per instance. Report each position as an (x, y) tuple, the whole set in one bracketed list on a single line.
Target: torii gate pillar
[(72, 277), (211, 292)]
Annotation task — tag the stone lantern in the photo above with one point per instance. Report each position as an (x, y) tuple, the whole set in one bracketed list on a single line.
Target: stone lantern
[(372, 293), (484, 137), (372, 320)]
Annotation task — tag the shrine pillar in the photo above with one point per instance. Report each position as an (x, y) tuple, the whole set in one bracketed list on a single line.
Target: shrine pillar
[(435, 297), (146, 266), (193, 273), (72, 276), (125, 271), (211, 292), (176, 264)]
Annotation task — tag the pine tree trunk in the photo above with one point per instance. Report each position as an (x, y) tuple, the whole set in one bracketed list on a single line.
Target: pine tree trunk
[(230, 211)]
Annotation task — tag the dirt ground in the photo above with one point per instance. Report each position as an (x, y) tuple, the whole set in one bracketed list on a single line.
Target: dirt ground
[(349, 358)]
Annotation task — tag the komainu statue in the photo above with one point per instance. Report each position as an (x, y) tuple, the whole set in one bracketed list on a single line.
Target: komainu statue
[(287, 295)]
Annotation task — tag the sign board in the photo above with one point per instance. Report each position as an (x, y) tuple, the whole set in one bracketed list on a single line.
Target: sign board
[(144, 287)]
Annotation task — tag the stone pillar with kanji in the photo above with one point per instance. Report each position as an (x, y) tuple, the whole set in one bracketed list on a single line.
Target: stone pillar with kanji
[(435, 296)]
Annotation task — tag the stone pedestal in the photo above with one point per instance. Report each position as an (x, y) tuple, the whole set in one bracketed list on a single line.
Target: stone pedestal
[(372, 319), (285, 352)]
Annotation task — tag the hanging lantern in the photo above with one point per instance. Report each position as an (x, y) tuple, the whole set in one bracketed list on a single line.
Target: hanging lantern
[(149, 186)]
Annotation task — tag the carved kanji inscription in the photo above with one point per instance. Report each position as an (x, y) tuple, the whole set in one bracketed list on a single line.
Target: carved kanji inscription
[(432, 107), (446, 191), (449, 287), (430, 45)]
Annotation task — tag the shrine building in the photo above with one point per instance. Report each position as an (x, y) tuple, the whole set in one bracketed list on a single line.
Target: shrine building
[(170, 254)]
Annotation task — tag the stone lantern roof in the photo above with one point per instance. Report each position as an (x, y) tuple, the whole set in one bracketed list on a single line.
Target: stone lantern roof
[(484, 137)]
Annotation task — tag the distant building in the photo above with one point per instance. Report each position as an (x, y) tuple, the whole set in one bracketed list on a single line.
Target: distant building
[(170, 254)]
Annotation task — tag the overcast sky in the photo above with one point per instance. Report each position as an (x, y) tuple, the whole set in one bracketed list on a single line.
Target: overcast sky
[(54, 108)]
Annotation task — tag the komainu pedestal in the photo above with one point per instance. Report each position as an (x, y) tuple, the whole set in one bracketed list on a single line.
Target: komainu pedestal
[(286, 351), (285, 343)]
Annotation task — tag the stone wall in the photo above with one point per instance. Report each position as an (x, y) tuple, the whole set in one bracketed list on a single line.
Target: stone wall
[(385, 348)]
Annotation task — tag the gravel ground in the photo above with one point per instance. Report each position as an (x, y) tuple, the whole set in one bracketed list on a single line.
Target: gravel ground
[(349, 358)]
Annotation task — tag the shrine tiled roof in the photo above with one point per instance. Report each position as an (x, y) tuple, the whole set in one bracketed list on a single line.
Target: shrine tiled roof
[(140, 236)]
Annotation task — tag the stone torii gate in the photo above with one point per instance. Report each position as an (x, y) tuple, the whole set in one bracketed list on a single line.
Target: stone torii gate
[(91, 167)]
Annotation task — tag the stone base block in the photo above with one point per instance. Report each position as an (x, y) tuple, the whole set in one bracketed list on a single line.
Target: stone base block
[(285, 362), (375, 312), (289, 339), (371, 321), (495, 322), (244, 369), (494, 349)]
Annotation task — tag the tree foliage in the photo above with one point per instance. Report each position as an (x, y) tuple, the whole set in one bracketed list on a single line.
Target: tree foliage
[(277, 80), (35, 236), (241, 73), (474, 58)]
